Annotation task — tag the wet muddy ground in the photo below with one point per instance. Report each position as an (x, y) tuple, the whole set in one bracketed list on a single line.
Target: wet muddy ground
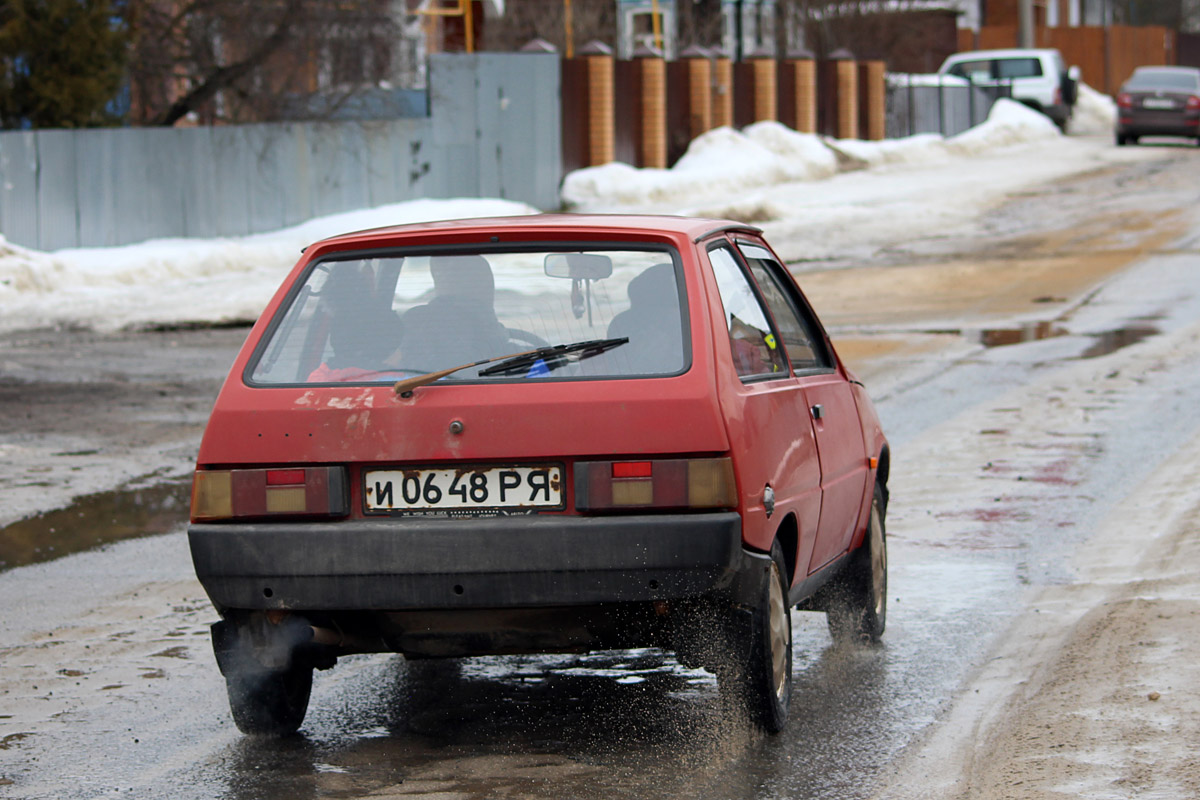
[(82, 413), (1010, 451)]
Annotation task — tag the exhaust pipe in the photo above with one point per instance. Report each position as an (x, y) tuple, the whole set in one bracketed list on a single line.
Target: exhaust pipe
[(329, 637)]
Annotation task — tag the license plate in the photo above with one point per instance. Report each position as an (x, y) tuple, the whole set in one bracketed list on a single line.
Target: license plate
[(1158, 102), (464, 489)]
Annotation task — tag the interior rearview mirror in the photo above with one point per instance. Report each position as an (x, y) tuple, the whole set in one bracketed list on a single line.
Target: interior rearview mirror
[(580, 266)]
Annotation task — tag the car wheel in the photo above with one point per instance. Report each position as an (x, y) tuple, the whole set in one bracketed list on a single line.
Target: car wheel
[(1122, 140), (762, 685), (269, 702), (857, 609)]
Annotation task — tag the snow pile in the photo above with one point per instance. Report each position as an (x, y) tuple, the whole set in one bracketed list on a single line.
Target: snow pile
[(1094, 113), (934, 79), (25, 270), (921, 148), (722, 160), (1008, 123), (167, 281)]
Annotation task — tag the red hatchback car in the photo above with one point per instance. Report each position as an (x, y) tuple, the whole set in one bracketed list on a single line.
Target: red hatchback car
[(533, 435)]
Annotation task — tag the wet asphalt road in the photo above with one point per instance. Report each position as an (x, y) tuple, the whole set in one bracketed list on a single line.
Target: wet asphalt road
[(611, 724)]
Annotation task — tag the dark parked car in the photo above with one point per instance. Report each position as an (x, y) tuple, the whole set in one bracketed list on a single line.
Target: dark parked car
[(534, 435), (1159, 101)]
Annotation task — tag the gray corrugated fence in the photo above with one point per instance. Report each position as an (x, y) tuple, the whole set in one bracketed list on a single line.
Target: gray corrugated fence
[(937, 104), (493, 131)]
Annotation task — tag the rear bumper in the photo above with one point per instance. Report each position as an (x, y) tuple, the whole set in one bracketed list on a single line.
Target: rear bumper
[(417, 563), (1141, 123)]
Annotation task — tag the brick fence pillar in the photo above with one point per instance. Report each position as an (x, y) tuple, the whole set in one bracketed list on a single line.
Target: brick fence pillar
[(766, 100), (722, 103), (699, 89), (601, 146), (872, 99), (800, 70), (837, 79), (652, 79)]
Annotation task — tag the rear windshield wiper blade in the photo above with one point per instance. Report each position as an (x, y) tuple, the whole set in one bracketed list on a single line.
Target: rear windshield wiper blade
[(553, 357)]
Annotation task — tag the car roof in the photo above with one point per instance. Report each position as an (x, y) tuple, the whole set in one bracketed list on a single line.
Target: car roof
[(1167, 70), (528, 226), (1011, 52)]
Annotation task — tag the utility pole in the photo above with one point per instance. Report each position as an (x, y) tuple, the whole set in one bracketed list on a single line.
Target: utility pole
[(1025, 23)]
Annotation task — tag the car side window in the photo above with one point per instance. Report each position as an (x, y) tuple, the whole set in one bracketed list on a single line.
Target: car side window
[(974, 70), (756, 351), (800, 339), (1018, 68)]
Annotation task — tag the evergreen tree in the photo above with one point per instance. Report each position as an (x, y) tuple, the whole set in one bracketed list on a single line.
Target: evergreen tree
[(62, 62)]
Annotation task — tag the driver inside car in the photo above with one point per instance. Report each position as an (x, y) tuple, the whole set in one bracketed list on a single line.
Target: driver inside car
[(459, 324), (362, 333)]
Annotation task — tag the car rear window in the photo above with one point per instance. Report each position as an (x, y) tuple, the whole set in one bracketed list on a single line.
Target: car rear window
[(387, 317), (1170, 81)]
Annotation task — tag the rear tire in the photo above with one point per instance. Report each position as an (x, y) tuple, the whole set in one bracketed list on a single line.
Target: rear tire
[(1122, 140), (857, 608), (269, 702), (762, 686)]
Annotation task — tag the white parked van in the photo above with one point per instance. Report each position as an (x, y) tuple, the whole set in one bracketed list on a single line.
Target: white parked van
[(1039, 78)]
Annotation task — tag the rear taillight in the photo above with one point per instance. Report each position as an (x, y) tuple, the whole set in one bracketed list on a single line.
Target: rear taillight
[(220, 494), (1193, 102), (678, 483), (1124, 100)]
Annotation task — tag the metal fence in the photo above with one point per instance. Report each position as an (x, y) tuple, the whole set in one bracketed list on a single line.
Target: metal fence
[(938, 104), (493, 131)]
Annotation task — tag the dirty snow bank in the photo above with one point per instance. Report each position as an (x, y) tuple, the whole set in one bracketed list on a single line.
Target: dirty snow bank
[(769, 154), (180, 280), (1094, 113), (720, 160)]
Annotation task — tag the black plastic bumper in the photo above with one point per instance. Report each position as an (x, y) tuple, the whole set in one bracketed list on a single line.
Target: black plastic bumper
[(411, 563)]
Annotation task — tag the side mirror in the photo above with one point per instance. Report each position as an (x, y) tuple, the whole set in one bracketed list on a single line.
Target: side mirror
[(1074, 74), (579, 266)]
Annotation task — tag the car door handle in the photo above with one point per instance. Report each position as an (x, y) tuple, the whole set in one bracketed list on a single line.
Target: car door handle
[(818, 411)]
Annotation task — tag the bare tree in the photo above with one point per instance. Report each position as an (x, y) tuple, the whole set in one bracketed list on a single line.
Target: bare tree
[(1168, 13), (240, 60), (907, 34)]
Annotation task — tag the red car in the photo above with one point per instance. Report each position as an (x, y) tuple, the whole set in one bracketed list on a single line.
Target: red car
[(536, 435)]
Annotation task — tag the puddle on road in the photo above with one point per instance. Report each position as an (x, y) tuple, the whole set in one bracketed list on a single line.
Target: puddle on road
[(1106, 342), (95, 520), (1031, 332), (1112, 341)]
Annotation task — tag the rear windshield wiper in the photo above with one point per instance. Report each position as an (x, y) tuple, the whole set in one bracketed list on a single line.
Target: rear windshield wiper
[(552, 357)]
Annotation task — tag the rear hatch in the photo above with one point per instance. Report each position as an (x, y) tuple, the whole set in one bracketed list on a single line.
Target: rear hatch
[(585, 382)]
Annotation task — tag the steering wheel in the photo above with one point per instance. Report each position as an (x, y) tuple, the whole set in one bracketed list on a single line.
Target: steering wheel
[(525, 337)]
